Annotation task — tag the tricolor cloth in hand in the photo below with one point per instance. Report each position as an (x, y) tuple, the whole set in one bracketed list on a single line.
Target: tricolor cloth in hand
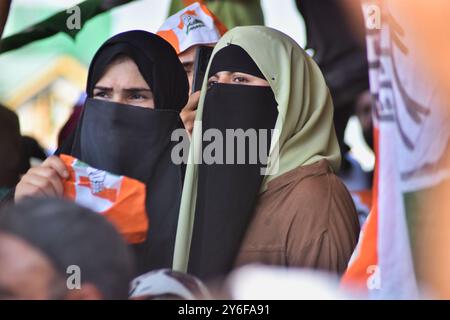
[(194, 25), (120, 199)]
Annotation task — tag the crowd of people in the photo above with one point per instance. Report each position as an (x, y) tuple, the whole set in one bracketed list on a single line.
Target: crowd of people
[(290, 207)]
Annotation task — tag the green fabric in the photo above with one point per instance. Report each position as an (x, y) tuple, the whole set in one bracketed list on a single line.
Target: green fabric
[(414, 206), (305, 120), (31, 61), (231, 13), (57, 23)]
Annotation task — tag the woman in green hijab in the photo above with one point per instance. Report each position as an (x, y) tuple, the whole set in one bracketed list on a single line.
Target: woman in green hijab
[(296, 212)]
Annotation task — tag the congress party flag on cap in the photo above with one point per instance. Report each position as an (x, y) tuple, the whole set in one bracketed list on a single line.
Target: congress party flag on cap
[(194, 25), (120, 199)]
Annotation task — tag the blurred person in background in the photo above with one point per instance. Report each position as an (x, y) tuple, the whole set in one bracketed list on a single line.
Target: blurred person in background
[(33, 154), (339, 49), (45, 241), (338, 45), (10, 150), (358, 181), (186, 31), (18, 152)]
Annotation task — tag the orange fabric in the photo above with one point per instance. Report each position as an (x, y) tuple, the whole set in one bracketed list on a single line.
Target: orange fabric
[(171, 38), (127, 211), (193, 25), (365, 197), (189, 2), (357, 273)]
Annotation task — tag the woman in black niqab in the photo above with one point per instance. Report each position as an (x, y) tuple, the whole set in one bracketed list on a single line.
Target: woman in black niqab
[(136, 142)]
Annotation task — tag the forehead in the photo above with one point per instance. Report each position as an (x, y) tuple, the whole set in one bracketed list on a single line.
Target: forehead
[(23, 269), (122, 72), (188, 55)]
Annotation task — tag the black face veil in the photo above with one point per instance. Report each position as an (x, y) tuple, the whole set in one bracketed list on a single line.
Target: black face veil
[(227, 192), (135, 141)]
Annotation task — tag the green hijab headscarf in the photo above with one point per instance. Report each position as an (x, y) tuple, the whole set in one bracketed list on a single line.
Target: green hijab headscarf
[(305, 131)]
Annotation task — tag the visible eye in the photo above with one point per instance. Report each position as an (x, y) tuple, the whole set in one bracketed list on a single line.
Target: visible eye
[(137, 96), (240, 79), (101, 94), (211, 82)]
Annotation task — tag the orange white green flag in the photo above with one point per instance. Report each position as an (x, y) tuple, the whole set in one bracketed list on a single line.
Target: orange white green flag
[(120, 199), (412, 145), (194, 25)]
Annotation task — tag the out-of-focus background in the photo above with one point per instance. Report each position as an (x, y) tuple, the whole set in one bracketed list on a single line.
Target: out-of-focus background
[(42, 81)]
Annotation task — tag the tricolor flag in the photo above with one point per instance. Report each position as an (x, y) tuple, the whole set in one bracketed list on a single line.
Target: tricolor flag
[(194, 25), (412, 133), (120, 199)]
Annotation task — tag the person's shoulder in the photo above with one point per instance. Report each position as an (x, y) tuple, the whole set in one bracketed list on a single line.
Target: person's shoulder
[(310, 195), (314, 183), (317, 193)]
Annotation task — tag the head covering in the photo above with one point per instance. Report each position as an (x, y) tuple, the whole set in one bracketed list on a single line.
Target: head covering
[(167, 284), (154, 58), (194, 25), (135, 142), (304, 124), (233, 58), (71, 124)]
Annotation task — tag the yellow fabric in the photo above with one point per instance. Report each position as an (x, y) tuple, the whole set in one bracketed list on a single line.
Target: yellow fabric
[(304, 124)]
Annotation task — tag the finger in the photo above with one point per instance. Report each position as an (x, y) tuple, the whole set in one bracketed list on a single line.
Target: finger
[(189, 129), (42, 183), (24, 190), (193, 101), (52, 176), (188, 118), (57, 164)]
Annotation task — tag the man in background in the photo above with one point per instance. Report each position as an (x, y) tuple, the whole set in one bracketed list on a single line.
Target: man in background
[(17, 151), (186, 31), (54, 249)]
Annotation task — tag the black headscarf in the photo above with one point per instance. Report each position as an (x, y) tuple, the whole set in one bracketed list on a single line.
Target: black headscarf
[(155, 59), (233, 58), (135, 141), (227, 192)]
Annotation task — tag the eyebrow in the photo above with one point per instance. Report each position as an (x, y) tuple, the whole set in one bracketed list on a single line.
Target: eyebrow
[(127, 90), (226, 72)]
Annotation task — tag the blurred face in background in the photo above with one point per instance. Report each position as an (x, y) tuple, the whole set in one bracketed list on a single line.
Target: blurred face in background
[(363, 110), (25, 273), (187, 59)]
